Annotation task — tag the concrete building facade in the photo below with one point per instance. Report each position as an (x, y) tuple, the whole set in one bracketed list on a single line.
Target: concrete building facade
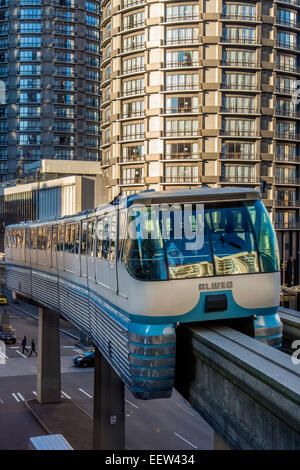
[(200, 92), (49, 64)]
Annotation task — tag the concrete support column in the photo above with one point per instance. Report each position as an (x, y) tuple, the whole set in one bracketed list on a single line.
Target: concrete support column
[(48, 373), (109, 411), (219, 444)]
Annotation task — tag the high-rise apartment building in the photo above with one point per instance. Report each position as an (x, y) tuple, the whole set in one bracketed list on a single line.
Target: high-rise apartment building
[(49, 63), (200, 92)]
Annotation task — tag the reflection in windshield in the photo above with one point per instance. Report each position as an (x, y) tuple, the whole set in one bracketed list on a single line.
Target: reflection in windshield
[(238, 239)]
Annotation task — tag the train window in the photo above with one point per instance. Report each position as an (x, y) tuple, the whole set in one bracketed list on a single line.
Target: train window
[(99, 234), (42, 238), (27, 238), (54, 237), (113, 232), (33, 239), (122, 226), (48, 238), (60, 238), (91, 237), (76, 238), (265, 237), (83, 238), (7, 238), (13, 239), (68, 248), (106, 237)]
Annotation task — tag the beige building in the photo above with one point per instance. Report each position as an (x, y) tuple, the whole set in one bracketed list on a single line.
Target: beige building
[(200, 92)]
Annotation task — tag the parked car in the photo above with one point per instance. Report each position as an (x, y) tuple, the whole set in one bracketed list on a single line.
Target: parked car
[(3, 300), (85, 359), (8, 334)]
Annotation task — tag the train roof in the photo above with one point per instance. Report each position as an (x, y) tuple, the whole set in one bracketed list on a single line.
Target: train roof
[(203, 194), (196, 195)]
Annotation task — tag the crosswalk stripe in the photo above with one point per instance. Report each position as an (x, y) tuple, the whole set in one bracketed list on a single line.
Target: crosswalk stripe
[(4, 356), (15, 397), (65, 395), (21, 354), (86, 393), (21, 396), (34, 393)]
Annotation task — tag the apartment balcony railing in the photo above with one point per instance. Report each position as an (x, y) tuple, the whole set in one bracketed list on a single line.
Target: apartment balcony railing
[(239, 63), (181, 179), (133, 47), (283, 203), (183, 109), (287, 135), (240, 86), (137, 136), (170, 42), (140, 180), (173, 19), (133, 114), (181, 156), (239, 40), (240, 179), (184, 87), (134, 70), (237, 110), (287, 68), (239, 133), (185, 63), (290, 2), (132, 158), (290, 23), (287, 113), (286, 180), (228, 16), (136, 91), (287, 225), (287, 158), (285, 90), (287, 45), (135, 24), (132, 3), (183, 133), (239, 156)]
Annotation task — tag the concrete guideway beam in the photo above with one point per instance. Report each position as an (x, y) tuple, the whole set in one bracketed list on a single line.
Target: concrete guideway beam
[(247, 391), (48, 372), (291, 323)]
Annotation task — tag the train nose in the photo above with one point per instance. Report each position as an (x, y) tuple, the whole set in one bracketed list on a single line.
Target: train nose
[(268, 329)]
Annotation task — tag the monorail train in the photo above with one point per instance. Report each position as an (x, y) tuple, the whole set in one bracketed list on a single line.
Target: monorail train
[(128, 272)]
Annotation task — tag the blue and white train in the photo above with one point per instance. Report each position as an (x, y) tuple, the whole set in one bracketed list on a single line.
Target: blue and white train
[(128, 292)]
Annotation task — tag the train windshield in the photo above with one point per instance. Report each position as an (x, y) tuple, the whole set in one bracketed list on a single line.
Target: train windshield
[(195, 240)]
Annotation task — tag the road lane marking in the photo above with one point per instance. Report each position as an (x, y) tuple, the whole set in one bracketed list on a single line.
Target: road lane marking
[(34, 393), (86, 393), (78, 351), (21, 354), (20, 396), (14, 347), (178, 435), (4, 356), (15, 397), (131, 403), (65, 395)]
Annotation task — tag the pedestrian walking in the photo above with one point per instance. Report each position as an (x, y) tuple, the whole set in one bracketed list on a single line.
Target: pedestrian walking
[(23, 344), (32, 348)]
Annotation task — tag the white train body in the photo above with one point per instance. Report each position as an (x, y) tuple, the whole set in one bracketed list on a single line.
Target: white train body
[(129, 303)]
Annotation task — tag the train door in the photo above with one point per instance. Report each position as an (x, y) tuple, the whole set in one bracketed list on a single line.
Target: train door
[(48, 248), (53, 249), (27, 246), (91, 227), (33, 246), (83, 249), (60, 247), (106, 273)]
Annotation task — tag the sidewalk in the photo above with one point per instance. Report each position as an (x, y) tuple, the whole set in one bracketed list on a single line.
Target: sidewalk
[(65, 418)]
